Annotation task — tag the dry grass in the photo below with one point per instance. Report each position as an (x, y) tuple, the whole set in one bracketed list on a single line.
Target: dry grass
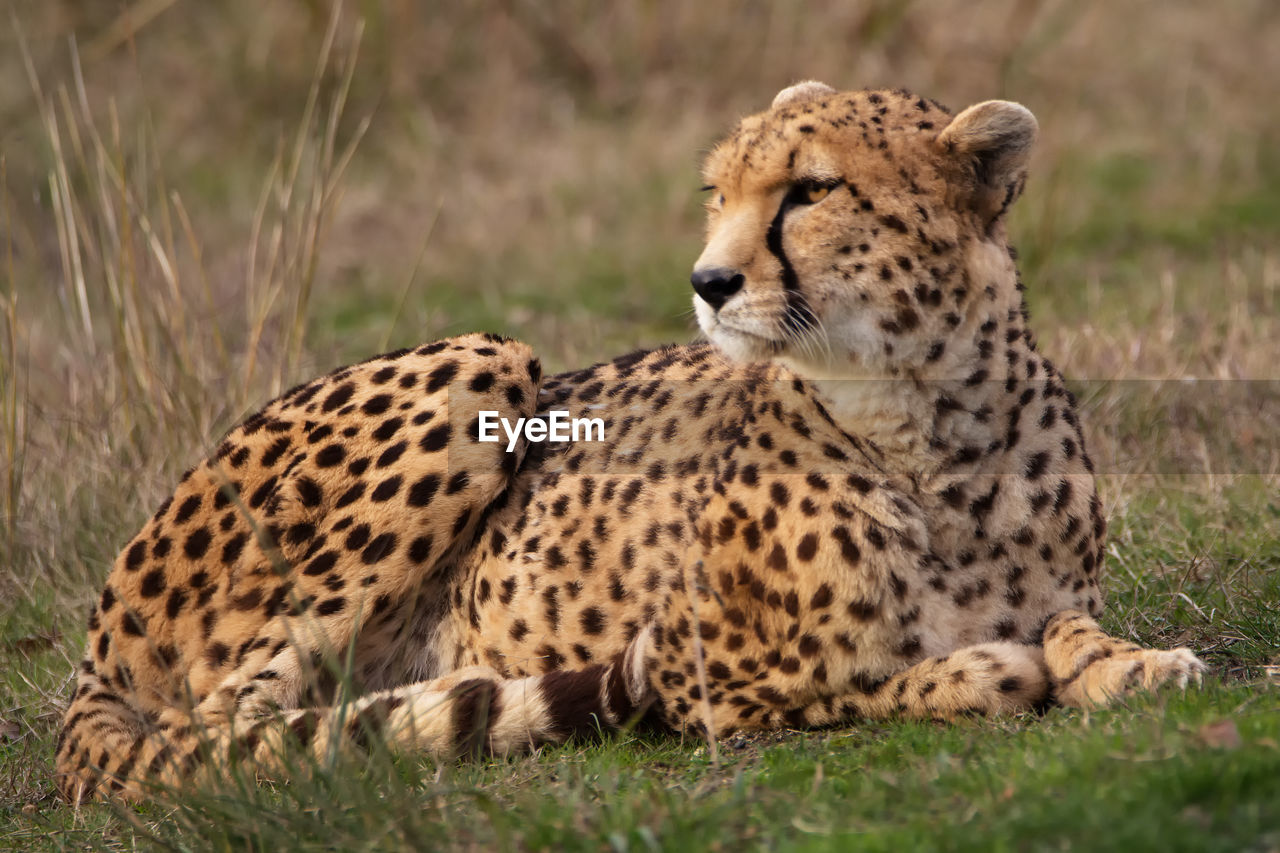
[(201, 203)]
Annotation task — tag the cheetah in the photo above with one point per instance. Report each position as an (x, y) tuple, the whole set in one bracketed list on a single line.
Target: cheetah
[(866, 494)]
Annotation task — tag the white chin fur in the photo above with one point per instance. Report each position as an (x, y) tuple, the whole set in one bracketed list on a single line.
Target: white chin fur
[(736, 345)]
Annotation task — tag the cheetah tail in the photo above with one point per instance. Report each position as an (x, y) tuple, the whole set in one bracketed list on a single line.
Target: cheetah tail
[(109, 749), (470, 716)]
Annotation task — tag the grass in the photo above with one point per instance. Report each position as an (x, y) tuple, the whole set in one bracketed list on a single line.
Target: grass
[(203, 203), (1192, 772)]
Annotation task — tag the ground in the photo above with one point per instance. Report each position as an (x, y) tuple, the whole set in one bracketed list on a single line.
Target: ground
[(1148, 240)]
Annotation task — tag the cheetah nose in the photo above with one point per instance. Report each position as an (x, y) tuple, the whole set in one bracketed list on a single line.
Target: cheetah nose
[(716, 284)]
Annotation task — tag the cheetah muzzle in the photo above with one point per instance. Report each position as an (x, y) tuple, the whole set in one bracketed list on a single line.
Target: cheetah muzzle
[(867, 495)]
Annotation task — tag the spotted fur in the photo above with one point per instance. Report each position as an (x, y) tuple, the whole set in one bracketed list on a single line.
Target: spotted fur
[(867, 495)]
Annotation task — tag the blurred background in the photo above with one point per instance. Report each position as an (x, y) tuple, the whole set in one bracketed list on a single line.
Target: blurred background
[(203, 203)]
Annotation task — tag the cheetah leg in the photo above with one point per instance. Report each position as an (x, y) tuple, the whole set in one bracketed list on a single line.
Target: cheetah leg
[(343, 586), (255, 715), (135, 756), (1090, 668), (705, 681), (987, 679), (214, 638)]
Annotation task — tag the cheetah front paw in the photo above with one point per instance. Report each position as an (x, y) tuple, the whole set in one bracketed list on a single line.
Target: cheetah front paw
[(1104, 681)]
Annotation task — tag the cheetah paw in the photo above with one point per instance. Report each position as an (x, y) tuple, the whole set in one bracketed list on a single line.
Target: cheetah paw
[(1109, 679)]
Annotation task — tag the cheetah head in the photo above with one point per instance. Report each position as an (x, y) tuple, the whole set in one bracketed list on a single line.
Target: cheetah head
[(861, 233)]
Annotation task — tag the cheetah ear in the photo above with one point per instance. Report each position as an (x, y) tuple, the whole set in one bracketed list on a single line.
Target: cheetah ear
[(991, 142), (808, 90)]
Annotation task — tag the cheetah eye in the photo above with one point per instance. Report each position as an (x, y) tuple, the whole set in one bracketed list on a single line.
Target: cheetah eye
[(810, 192), (815, 194)]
